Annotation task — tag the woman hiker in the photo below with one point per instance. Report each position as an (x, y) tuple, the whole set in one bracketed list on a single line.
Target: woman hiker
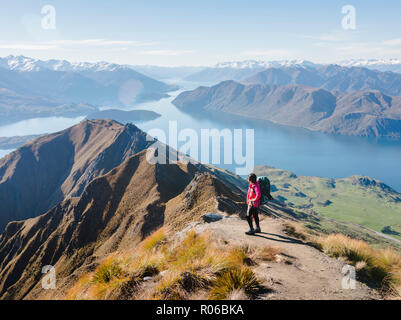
[(253, 202)]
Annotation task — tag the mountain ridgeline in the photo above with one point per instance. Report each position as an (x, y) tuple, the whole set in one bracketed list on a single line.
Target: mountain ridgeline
[(241, 70), (331, 78), (43, 172), (90, 191), (358, 113)]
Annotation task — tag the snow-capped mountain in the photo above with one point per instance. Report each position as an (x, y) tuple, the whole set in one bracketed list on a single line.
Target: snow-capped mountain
[(257, 64), (240, 70), (84, 82), (20, 63), (393, 65), (27, 64)]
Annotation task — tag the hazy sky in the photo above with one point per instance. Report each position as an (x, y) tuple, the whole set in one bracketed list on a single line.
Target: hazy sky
[(205, 32)]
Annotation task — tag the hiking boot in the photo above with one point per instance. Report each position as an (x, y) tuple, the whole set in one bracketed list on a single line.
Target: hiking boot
[(257, 230), (251, 232)]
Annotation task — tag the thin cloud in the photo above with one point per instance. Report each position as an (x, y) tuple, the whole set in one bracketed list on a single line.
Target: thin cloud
[(392, 42), (331, 37), (24, 46), (363, 50), (101, 42), (324, 38), (60, 44), (165, 52), (274, 53)]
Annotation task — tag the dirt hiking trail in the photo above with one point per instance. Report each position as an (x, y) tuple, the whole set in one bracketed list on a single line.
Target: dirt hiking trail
[(300, 271)]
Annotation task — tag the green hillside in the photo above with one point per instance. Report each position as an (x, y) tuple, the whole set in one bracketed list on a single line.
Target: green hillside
[(357, 200)]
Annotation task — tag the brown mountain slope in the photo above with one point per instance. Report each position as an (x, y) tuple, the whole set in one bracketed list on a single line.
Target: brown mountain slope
[(362, 113), (115, 211), (332, 78), (45, 171)]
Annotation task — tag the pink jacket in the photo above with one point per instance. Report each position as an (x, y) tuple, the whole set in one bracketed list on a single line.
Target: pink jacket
[(254, 194)]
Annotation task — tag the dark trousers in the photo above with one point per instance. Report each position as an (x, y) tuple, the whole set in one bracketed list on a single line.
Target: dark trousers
[(253, 212)]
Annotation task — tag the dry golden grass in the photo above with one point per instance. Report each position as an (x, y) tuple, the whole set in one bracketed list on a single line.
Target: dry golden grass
[(179, 270), (383, 267), (295, 230), (108, 271), (380, 266), (267, 253), (338, 245), (310, 237), (80, 289), (233, 281), (237, 295), (168, 289), (241, 255), (155, 240)]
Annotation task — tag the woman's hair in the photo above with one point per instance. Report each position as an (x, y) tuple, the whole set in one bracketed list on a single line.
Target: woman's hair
[(252, 178)]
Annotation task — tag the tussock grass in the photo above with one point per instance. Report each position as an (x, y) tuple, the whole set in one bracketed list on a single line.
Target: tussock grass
[(298, 231), (107, 271), (177, 286), (145, 266), (237, 295), (155, 240), (168, 289), (233, 281), (241, 255), (267, 253), (108, 277), (354, 251), (104, 291), (382, 266), (80, 290), (178, 270), (295, 230), (193, 247), (198, 264)]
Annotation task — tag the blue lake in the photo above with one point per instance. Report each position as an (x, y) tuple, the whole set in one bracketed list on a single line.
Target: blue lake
[(38, 126), (4, 153), (295, 149)]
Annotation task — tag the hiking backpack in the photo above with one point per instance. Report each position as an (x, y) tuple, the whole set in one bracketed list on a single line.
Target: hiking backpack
[(264, 184)]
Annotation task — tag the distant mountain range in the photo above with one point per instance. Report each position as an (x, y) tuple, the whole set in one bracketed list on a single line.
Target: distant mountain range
[(94, 83), (166, 73), (363, 113), (393, 65), (240, 70), (9, 143), (27, 64), (256, 64), (331, 77), (16, 107), (351, 100)]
